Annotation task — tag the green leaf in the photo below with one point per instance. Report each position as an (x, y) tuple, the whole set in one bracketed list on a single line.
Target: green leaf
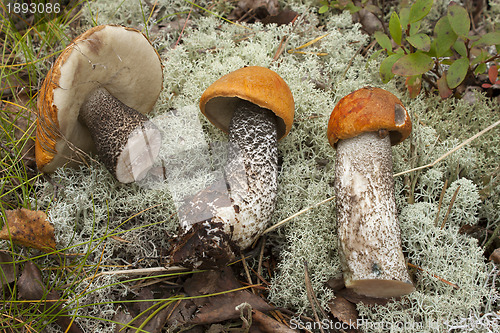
[(445, 36), (480, 69), (352, 8), (482, 56), (459, 20), (383, 40), (491, 38), (414, 28), (404, 17), (373, 9), (395, 28), (413, 64), (419, 10), (420, 41), (374, 55), (460, 47), (386, 67), (457, 72), (323, 9)]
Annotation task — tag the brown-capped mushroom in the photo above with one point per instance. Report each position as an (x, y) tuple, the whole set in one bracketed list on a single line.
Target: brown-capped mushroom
[(95, 98), (255, 106), (363, 126)]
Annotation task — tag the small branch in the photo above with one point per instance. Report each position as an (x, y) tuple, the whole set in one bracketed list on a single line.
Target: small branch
[(434, 275), (311, 296), (440, 202), (450, 206)]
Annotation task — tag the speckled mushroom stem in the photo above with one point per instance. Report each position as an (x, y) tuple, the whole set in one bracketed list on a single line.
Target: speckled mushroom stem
[(126, 140), (368, 227), (250, 179), (252, 171)]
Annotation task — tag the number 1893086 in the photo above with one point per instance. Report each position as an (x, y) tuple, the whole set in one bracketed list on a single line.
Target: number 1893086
[(33, 8)]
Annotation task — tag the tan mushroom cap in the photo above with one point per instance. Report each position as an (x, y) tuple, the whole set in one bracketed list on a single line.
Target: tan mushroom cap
[(369, 110), (255, 84), (118, 58)]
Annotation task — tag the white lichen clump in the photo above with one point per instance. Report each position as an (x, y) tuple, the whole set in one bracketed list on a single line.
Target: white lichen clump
[(87, 204)]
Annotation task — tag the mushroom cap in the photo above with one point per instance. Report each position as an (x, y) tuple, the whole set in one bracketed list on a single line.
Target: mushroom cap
[(369, 110), (258, 85), (117, 58)]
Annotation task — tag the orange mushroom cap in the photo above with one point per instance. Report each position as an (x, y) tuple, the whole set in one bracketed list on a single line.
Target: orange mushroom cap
[(255, 84), (369, 110)]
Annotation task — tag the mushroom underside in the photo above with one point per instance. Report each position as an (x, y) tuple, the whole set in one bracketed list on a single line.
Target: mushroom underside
[(368, 227), (126, 140)]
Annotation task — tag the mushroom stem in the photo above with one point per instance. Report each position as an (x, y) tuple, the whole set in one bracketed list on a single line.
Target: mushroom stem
[(368, 227), (126, 140), (251, 182), (252, 170)]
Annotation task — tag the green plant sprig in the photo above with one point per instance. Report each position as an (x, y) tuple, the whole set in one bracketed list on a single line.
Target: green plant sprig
[(445, 59)]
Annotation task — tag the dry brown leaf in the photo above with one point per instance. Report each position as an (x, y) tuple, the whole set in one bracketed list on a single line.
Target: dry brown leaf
[(31, 287), (136, 313), (495, 256), (7, 269), (29, 228), (344, 311)]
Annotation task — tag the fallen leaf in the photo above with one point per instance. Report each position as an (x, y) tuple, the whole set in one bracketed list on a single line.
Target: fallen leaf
[(213, 309), (145, 308), (344, 311), (218, 308), (286, 16), (7, 269), (30, 286), (250, 10), (495, 256), (29, 228)]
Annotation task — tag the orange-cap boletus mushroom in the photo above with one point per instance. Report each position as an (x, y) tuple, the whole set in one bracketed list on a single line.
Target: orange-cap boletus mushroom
[(363, 126), (95, 97), (255, 106)]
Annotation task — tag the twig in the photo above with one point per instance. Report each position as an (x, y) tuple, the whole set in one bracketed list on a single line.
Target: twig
[(247, 272), (434, 275), (261, 256), (450, 206), (141, 271), (310, 295), (184, 27), (440, 202)]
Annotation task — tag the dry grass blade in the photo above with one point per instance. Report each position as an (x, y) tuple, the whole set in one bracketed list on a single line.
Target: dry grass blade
[(277, 225), (442, 157), (469, 140)]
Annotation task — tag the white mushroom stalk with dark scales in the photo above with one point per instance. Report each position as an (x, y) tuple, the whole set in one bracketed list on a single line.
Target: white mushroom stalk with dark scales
[(255, 106), (95, 98), (362, 127)]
